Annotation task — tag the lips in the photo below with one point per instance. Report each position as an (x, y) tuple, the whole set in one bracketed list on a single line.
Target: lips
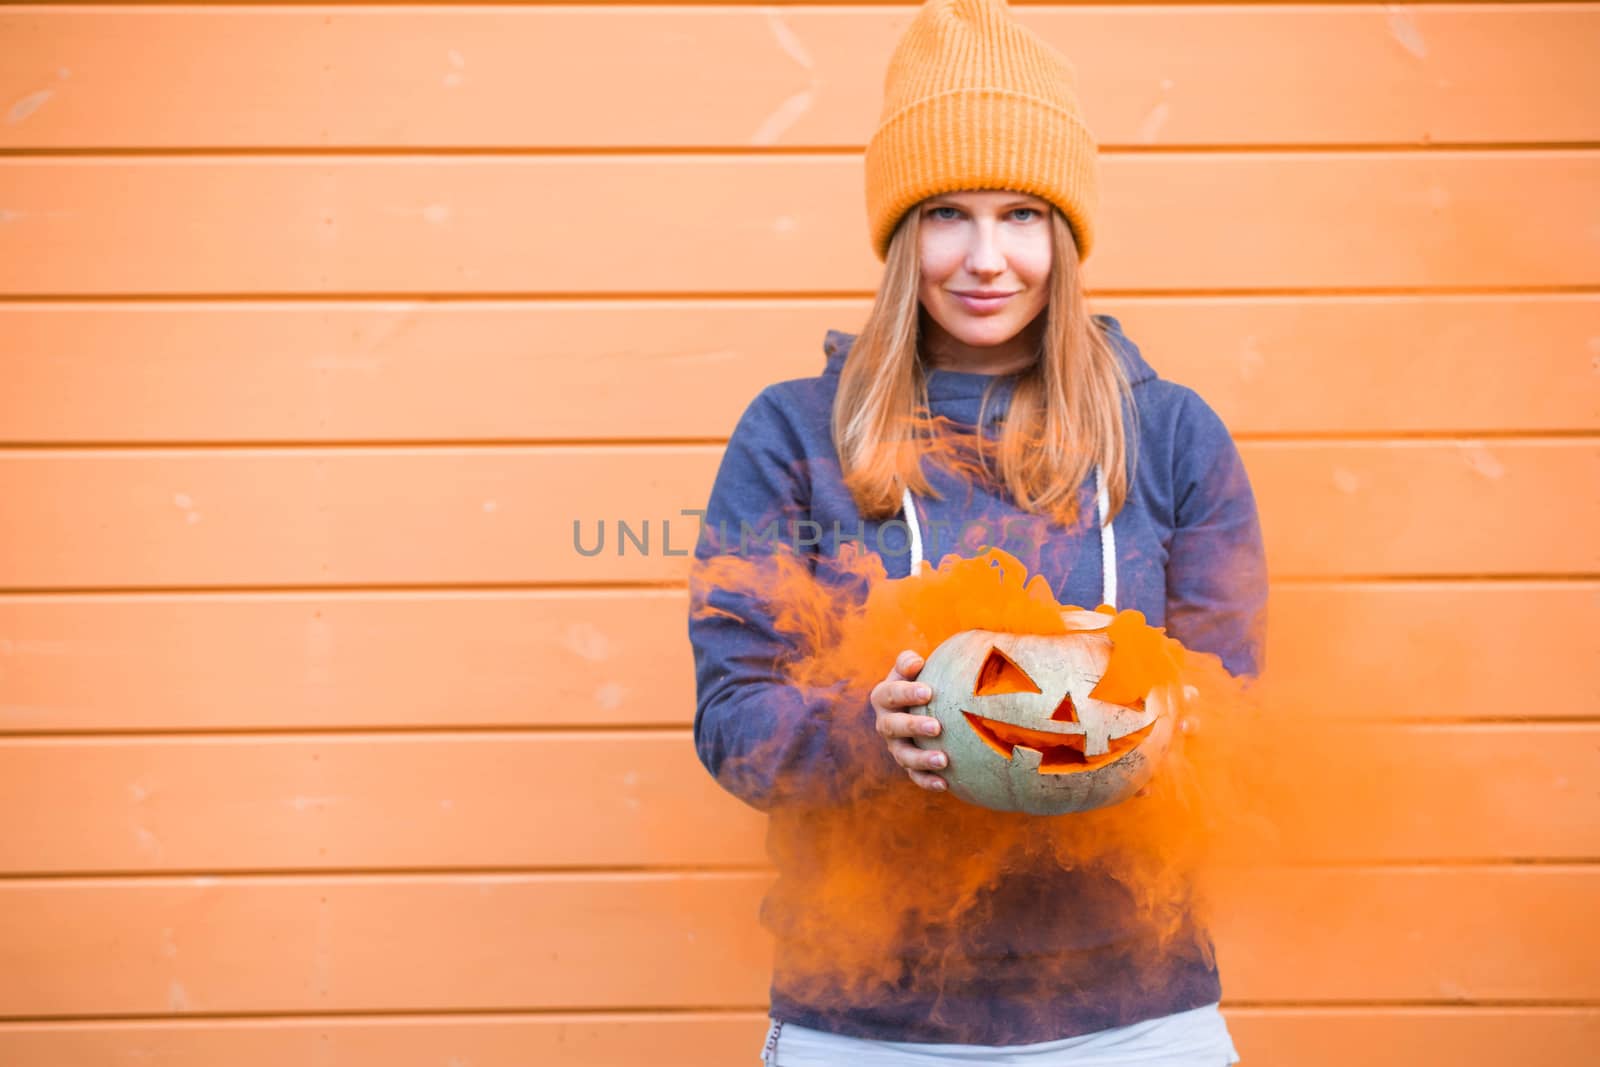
[(983, 304)]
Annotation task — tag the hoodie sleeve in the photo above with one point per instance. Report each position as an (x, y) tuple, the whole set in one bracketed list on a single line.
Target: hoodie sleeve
[(1216, 565), (763, 739)]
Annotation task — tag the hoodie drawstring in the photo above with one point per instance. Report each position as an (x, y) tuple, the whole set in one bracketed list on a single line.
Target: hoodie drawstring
[(1108, 538), (1108, 541)]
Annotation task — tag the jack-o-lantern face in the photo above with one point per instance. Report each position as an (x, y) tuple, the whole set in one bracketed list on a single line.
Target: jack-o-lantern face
[(1023, 733)]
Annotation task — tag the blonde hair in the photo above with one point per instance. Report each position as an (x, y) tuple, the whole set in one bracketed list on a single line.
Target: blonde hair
[(1065, 417)]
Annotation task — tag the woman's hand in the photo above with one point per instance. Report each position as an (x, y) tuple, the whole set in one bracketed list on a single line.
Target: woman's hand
[(896, 727)]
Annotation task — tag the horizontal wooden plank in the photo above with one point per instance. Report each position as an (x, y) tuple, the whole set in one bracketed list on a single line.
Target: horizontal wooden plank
[(1417, 934), (725, 1039), (354, 802), (768, 224), (260, 517), (797, 4), (500, 942), (1443, 650), (1425, 793), (1428, 508), (106, 372), (1305, 1037), (525, 658), (1415, 1037), (621, 658), (506, 941), (412, 514), (1414, 793), (1365, 365), (423, 77)]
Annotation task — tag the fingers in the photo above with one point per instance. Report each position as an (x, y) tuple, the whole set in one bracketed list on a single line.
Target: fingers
[(921, 765), (913, 758), (907, 665), (900, 724), (889, 694), (898, 690)]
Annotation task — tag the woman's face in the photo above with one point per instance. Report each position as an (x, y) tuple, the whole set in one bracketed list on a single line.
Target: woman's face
[(985, 274)]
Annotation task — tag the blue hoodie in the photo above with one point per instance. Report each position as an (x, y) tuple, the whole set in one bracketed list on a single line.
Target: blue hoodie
[(1188, 555)]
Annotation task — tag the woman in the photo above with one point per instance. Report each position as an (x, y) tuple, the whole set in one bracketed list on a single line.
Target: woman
[(1119, 487)]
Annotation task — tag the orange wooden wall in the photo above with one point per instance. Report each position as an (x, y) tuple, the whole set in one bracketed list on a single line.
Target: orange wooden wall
[(319, 326)]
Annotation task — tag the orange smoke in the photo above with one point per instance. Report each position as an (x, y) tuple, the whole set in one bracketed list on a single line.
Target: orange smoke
[(879, 875)]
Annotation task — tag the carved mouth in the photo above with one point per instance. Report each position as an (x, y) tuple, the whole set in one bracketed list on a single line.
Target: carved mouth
[(1059, 753)]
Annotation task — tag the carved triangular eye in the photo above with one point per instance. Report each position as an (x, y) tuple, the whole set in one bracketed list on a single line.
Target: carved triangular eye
[(1066, 711), (1000, 675)]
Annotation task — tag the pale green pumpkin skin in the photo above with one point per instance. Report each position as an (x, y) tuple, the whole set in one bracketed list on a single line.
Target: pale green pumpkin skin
[(1059, 665)]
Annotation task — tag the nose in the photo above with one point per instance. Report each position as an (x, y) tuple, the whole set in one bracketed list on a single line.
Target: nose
[(984, 255)]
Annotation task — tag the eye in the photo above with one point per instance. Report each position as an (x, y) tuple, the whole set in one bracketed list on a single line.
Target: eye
[(1000, 675), (1030, 210), (933, 212)]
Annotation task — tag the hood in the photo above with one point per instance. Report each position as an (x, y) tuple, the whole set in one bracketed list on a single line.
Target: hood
[(836, 345)]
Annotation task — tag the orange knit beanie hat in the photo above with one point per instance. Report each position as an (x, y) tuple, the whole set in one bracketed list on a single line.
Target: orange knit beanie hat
[(975, 100)]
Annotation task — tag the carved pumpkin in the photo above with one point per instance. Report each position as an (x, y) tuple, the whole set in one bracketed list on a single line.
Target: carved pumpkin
[(1021, 731)]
